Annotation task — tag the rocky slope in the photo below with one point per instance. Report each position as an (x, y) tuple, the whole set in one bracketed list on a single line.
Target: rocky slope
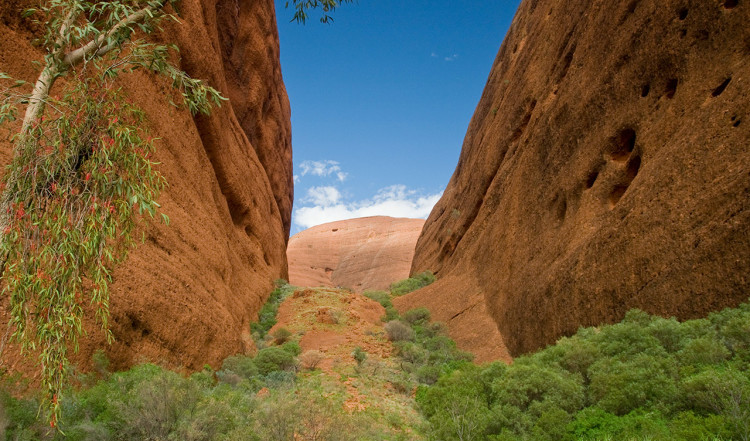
[(360, 254), (607, 167), (185, 297)]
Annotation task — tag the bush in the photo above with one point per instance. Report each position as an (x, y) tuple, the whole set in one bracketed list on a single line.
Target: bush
[(267, 314), (241, 365), (359, 355), (412, 284), (399, 331), (281, 335), (311, 359), (274, 359), (292, 347), (382, 297), (417, 316), (620, 387)]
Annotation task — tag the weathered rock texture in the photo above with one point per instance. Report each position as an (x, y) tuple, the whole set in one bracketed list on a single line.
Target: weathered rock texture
[(607, 167), (360, 254), (186, 296)]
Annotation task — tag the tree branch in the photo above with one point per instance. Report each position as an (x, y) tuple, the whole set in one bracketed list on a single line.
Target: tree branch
[(96, 47)]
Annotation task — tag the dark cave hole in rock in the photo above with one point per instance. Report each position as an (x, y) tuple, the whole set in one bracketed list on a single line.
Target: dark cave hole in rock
[(737, 123), (591, 180), (683, 33), (633, 168), (632, 6), (562, 209), (671, 88), (567, 61), (623, 145), (616, 195), (729, 4), (645, 90), (683, 13), (720, 89)]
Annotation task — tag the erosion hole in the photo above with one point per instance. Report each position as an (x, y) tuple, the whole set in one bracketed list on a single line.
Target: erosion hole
[(671, 88), (645, 90), (719, 90), (591, 179), (567, 61), (729, 4), (683, 13), (562, 209), (737, 123), (633, 167), (623, 145), (616, 195)]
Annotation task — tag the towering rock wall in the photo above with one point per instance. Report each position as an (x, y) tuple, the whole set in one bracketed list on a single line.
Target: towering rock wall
[(360, 254), (607, 167), (186, 296)]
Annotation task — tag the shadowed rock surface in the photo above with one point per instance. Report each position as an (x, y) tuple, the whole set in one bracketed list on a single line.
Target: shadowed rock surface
[(360, 254), (186, 296), (607, 167)]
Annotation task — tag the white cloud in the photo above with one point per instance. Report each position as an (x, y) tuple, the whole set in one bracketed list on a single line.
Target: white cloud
[(394, 201), (434, 55), (451, 58), (322, 169), (323, 196)]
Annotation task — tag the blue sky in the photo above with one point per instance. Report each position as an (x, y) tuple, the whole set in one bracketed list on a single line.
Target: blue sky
[(381, 100)]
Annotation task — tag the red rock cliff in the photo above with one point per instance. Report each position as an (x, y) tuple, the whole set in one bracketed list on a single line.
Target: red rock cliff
[(607, 167), (360, 254), (186, 296)]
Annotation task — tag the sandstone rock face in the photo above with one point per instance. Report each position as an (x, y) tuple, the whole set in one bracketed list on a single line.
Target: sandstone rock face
[(607, 167), (186, 296), (360, 254)]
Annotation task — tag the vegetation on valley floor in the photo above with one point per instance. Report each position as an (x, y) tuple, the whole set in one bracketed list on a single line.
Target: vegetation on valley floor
[(646, 378)]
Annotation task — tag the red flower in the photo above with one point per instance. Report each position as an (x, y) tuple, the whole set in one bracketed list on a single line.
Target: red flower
[(88, 177)]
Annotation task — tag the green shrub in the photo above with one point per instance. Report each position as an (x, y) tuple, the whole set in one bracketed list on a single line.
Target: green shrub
[(382, 297), (398, 331), (292, 347), (241, 365), (267, 314), (417, 316), (359, 355), (646, 378), (411, 352), (412, 284), (274, 358), (621, 386), (281, 335)]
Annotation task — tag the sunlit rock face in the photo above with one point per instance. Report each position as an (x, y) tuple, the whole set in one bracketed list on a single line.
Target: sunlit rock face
[(360, 254), (185, 297), (607, 167)]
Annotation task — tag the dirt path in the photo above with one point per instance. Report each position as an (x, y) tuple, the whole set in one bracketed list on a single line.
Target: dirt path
[(335, 322)]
